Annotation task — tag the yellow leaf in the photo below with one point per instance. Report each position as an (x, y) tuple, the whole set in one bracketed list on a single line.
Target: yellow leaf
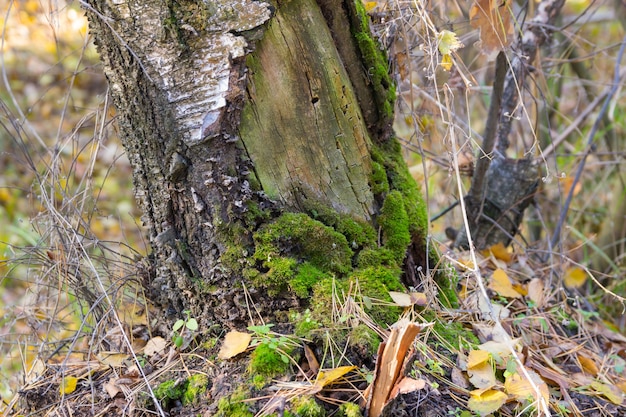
[(446, 62), (480, 369), (588, 365), (407, 300), (68, 385), (234, 343), (369, 5), (112, 359), (328, 377), (609, 391), (501, 284), (523, 389), (574, 277), (499, 251), (486, 402), (448, 42)]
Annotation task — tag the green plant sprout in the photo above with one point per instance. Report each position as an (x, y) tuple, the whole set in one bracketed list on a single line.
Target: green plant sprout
[(189, 323)]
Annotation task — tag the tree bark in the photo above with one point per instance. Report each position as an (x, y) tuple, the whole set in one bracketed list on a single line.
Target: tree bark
[(235, 112)]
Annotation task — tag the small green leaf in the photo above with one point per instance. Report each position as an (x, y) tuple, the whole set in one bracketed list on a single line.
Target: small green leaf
[(178, 341), (192, 324), (284, 358), (179, 323)]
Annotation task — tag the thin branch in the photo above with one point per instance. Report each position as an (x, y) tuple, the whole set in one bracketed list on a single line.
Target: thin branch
[(590, 139), (477, 190)]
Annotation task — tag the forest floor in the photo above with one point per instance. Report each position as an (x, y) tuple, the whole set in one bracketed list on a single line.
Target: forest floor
[(535, 331)]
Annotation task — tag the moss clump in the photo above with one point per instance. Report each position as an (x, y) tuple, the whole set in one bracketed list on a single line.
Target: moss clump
[(377, 64), (308, 239), (349, 410), (378, 179), (452, 333), (394, 222), (376, 282), (267, 362), (365, 339), (234, 406), (306, 277), (376, 257), (196, 386), (186, 391), (307, 407), (358, 233), (169, 391)]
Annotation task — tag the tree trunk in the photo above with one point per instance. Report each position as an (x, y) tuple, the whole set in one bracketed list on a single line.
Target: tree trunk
[(261, 143)]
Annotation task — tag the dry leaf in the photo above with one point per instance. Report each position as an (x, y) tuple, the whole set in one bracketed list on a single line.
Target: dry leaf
[(328, 377), (112, 359), (480, 369), (234, 343), (458, 378), (493, 19), (523, 389), (500, 351), (314, 364), (111, 387), (499, 251), (535, 291), (588, 365), (486, 402), (154, 346), (407, 300), (68, 385), (609, 391), (574, 277), (501, 284), (407, 385)]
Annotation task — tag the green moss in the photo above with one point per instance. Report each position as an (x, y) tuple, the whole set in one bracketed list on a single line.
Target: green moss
[(375, 283), (322, 300), (169, 391), (376, 257), (451, 334), (281, 271), (358, 233), (378, 179), (394, 222), (349, 410), (305, 238), (365, 339), (307, 276), (234, 406), (307, 407), (376, 62), (196, 386), (267, 362)]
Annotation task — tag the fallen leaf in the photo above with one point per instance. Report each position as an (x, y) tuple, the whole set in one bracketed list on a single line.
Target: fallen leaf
[(111, 387), (522, 389), (493, 19), (500, 351), (407, 300), (407, 385), (485, 402), (234, 343), (328, 377), (499, 251), (112, 359), (609, 391), (535, 291), (588, 365), (501, 284), (480, 369), (458, 378), (154, 346), (574, 277), (68, 385)]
